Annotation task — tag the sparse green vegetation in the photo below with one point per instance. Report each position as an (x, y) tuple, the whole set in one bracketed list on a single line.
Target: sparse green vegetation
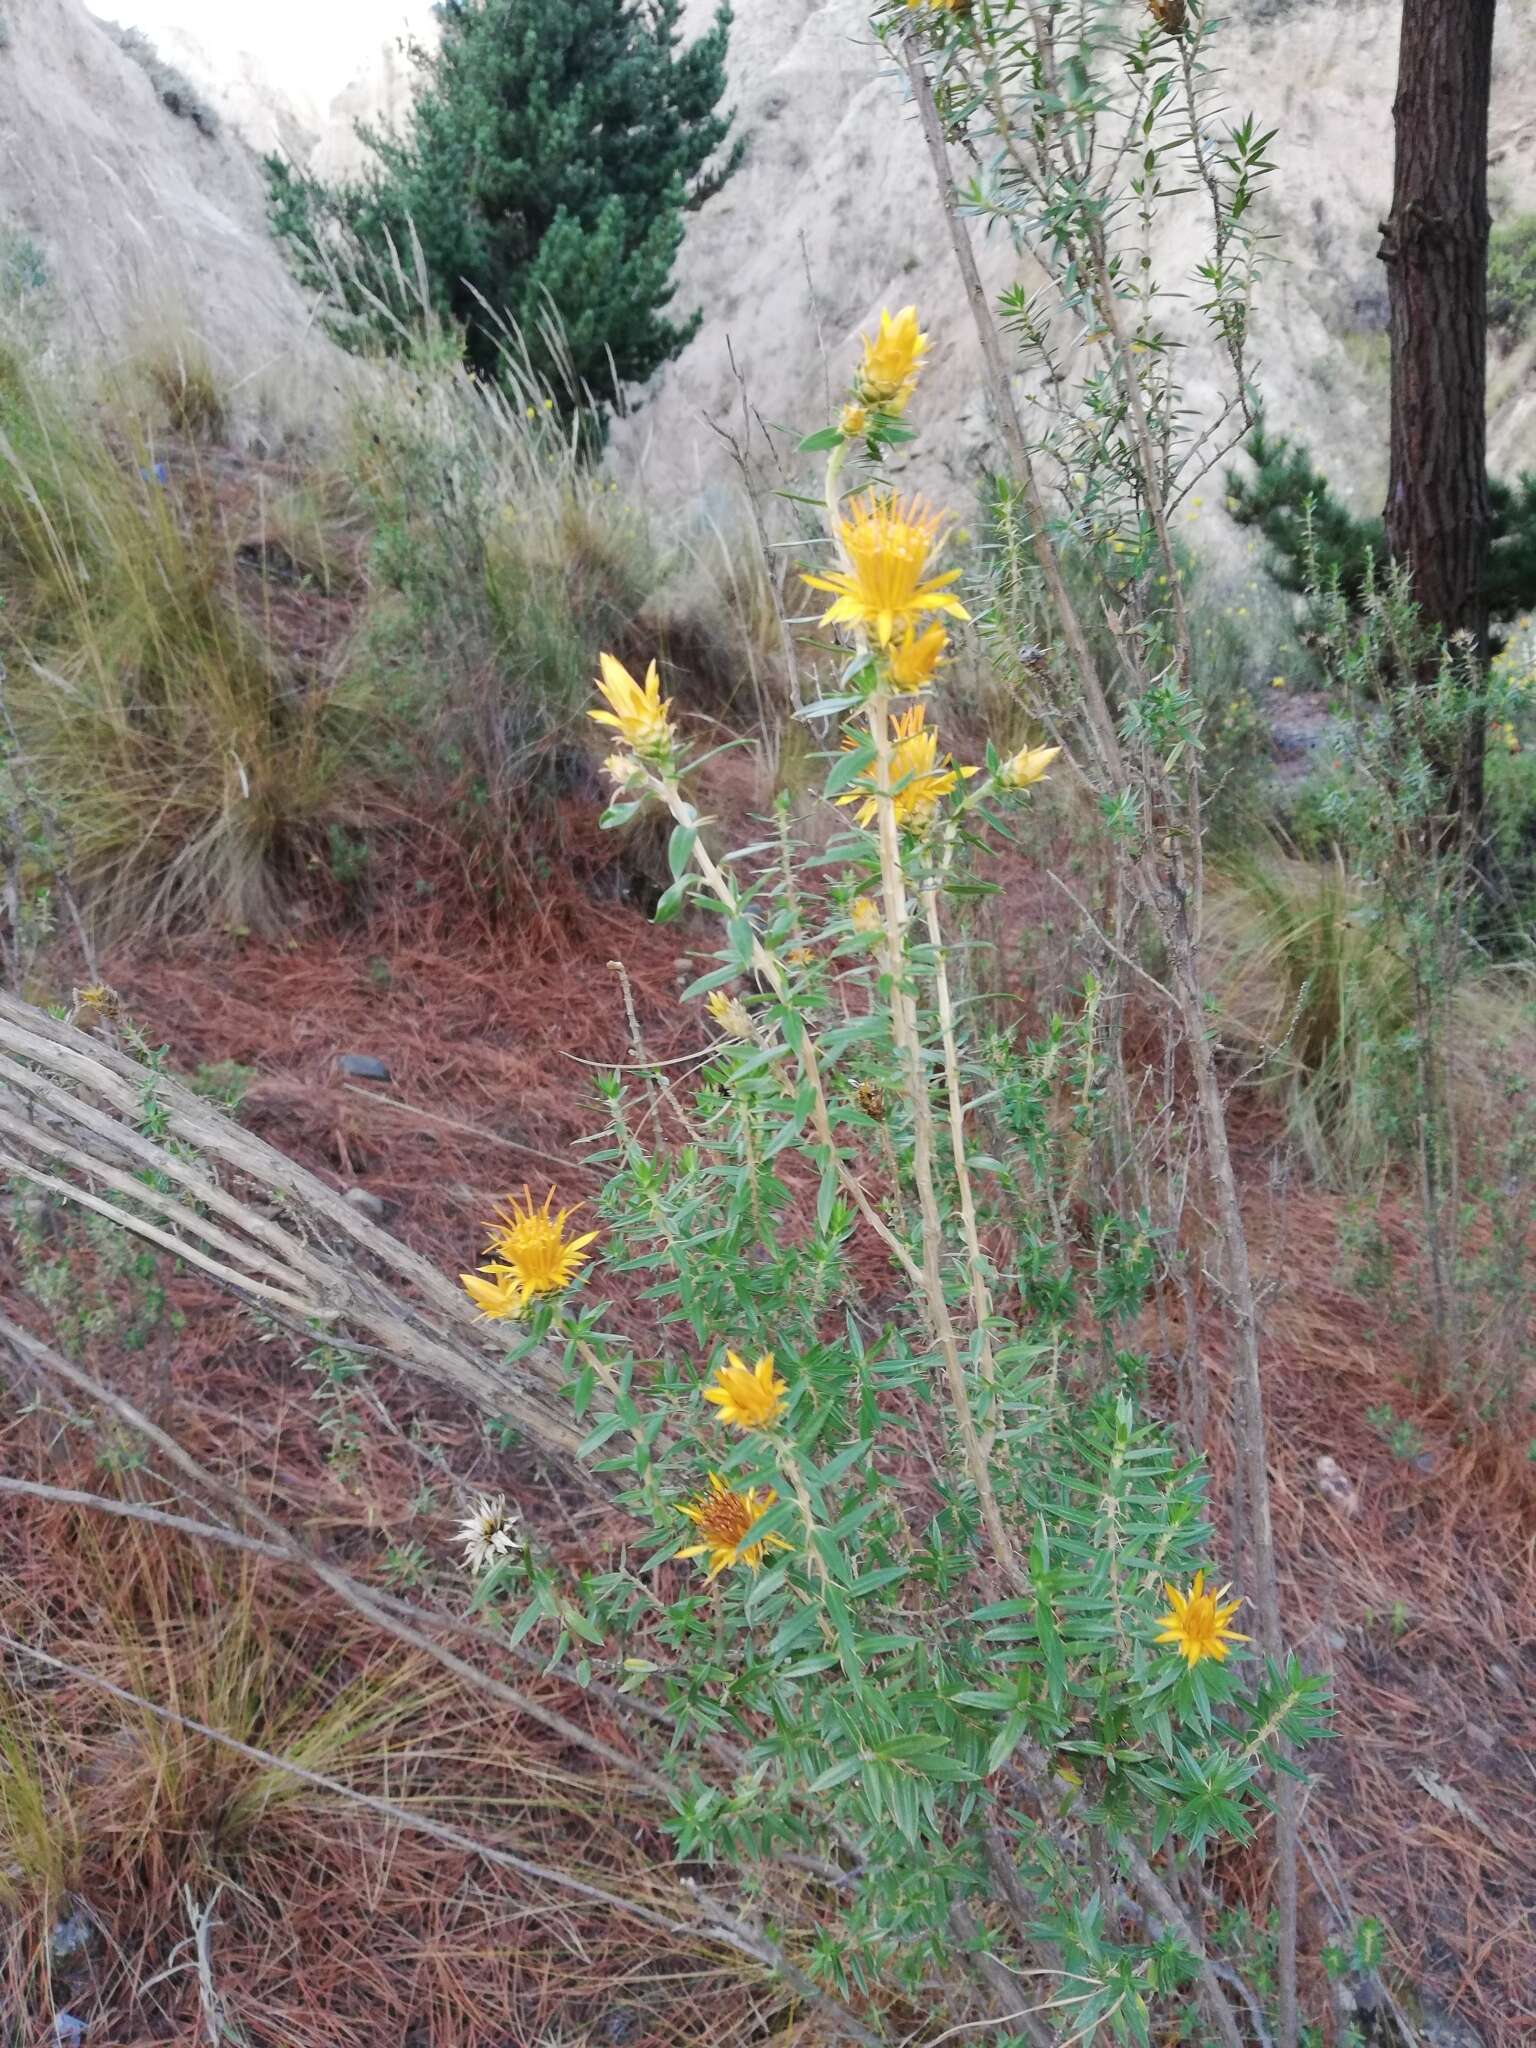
[(175, 91), (1512, 275), (1315, 541)]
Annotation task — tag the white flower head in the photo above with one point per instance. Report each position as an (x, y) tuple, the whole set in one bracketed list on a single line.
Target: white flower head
[(488, 1533)]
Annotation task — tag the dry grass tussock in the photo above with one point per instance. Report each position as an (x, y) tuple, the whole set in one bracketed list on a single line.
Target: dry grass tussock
[(179, 755), (1316, 992), (215, 663), (157, 1875)]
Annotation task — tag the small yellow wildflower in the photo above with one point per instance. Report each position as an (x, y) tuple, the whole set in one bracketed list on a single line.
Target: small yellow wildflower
[(1027, 766), (1197, 1622), (853, 422), (530, 1255), (893, 355), (871, 1100), (95, 1005), (919, 779), (748, 1396), (913, 661), (1277, 682), (888, 541), (730, 1013), (638, 715), (864, 916), (725, 1520), (494, 1291), (800, 956)]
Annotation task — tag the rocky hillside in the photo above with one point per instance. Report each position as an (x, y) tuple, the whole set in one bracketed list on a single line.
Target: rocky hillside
[(303, 104), (125, 221), (133, 211), (834, 214)]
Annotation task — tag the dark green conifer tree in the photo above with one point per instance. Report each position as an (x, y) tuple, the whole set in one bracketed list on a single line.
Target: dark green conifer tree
[(545, 168), (1309, 531)]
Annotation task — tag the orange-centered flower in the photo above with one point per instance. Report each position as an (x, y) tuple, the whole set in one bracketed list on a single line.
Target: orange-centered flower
[(748, 1396), (893, 355), (1197, 1622), (888, 542), (639, 715), (725, 1520), (530, 1255), (920, 780)]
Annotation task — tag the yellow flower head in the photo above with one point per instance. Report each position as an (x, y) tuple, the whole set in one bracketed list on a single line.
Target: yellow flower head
[(893, 355), (888, 541), (495, 1292), (864, 916), (1028, 765), (639, 716), (530, 1255), (919, 779), (871, 1100), (853, 423), (748, 1396), (730, 1013), (912, 662), (1197, 1622), (725, 1520)]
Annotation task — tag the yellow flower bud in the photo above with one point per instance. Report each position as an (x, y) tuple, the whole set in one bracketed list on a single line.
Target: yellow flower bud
[(730, 1013), (1027, 766)]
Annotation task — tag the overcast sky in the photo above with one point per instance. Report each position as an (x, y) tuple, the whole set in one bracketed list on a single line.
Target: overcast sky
[(312, 46)]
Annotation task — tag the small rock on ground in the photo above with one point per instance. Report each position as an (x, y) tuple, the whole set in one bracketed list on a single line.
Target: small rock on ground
[(363, 1066)]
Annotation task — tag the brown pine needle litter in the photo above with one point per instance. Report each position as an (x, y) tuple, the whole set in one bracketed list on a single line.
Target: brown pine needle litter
[(338, 1928)]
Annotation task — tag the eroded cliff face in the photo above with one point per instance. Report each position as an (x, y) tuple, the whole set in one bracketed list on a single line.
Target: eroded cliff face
[(136, 214), (120, 219), (304, 106), (834, 214)]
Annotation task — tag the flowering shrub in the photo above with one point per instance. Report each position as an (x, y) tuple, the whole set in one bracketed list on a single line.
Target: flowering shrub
[(913, 1560)]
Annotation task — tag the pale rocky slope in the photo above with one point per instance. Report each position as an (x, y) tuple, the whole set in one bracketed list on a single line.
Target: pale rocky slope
[(302, 112), (137, 216), (834, 214), (124, 225)]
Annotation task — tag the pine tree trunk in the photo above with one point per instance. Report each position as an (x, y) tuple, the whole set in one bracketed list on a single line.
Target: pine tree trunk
[(1435, 247)]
